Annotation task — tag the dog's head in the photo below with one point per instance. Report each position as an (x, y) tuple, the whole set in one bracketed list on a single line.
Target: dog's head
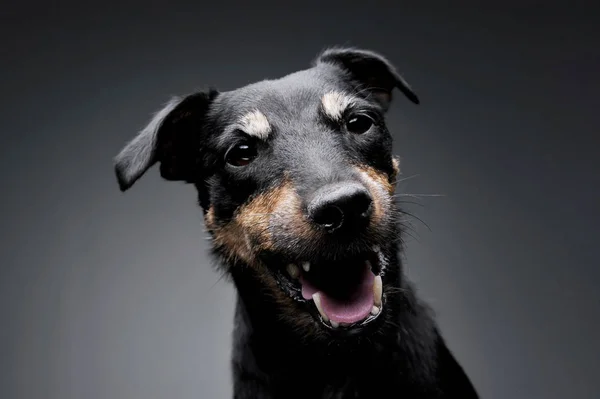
[(296, 179)]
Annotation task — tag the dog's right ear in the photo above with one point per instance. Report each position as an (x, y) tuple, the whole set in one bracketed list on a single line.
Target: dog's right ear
[(171, 138)]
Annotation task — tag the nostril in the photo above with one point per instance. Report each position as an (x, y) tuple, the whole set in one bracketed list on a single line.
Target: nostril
[(349, 205), (364, 205), (330, 217)]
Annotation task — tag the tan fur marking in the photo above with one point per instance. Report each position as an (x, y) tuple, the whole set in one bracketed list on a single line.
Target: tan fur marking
[(396, 166), (256, 124), (381, 189), (254, 217), (295, 222), (382, 179), (335, 103), (231, 238), (209, 218), (248, 233)]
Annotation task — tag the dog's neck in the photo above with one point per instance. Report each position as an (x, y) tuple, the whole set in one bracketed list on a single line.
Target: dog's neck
[(271, 345)]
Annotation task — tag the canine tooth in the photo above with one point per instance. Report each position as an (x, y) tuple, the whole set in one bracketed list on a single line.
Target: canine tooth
[(306, 266), (317, 299), (334, 324), (374, 310), (377, 290), (293, 270)]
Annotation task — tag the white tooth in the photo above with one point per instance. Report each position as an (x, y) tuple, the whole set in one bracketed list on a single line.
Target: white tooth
[(293, 270), (377, 290), (317, 299), (375, 311), (376, 249), (306, 266), (334, 324)]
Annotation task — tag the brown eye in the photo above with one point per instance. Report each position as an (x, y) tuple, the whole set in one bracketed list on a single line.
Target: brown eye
[(359, 124), (241, 154)]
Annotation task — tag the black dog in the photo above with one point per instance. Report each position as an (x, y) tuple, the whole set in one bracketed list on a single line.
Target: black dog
[(296, 180)]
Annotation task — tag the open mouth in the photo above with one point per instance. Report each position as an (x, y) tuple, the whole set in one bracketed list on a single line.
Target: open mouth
[(342, 294)]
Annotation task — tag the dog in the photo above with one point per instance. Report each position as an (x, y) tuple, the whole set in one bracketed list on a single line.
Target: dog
[(296, 179)]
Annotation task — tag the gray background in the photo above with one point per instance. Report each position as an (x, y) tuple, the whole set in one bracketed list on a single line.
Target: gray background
[(104, 295)]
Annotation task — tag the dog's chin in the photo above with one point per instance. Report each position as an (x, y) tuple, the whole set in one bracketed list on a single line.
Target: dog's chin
[(346, 297)]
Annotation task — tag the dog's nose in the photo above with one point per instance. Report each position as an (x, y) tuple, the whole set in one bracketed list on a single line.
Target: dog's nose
[(341, 205)]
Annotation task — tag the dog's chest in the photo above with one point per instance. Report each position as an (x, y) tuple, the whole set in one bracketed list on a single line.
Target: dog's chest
[(309, 388), (329, 384)]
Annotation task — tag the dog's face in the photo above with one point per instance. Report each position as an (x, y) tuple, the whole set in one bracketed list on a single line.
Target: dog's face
[(296, 179)]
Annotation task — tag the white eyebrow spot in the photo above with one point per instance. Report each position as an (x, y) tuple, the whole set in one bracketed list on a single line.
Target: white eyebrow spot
[(335, 103), (255, 124)]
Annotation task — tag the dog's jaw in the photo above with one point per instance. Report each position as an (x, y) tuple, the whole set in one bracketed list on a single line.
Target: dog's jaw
[(282, 305), (334, 361)]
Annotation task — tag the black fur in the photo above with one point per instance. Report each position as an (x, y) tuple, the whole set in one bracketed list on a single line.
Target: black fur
[(399, 354)]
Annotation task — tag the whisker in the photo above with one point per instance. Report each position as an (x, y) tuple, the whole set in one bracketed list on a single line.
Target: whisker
[(408, 232), (400, 180), (409, 203), (417, 195), (417, 218)]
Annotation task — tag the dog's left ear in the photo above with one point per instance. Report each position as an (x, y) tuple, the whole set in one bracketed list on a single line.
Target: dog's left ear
[(371, 70), (172, 138)]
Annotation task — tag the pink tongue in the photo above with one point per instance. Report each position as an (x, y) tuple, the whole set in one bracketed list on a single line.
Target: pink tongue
[(351, 310)]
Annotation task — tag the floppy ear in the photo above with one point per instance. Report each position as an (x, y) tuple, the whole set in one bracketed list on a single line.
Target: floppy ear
[(371, 70), (171, 138)]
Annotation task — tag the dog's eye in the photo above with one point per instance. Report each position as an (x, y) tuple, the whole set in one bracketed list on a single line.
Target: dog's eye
[(359, 124), (241, 154)]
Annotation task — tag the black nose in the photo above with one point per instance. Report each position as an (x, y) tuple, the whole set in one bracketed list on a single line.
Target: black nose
[(346, 205)]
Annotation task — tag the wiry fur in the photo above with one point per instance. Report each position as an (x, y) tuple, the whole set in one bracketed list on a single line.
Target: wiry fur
[(257, 216)]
